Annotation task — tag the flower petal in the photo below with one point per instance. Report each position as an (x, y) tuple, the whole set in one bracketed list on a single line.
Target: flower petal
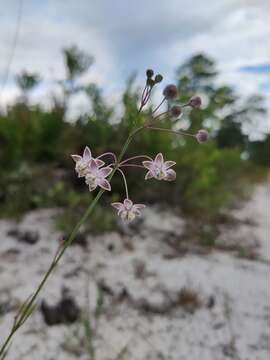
[(169, 164), (149, 175), (159, 158), (139, 206), (105, 171), (171, 175), (76, 158), (92, 187), (118, 206), (87, 156), (93, 166), (104, 184), (128, 204), (148, 164), (99, 162)]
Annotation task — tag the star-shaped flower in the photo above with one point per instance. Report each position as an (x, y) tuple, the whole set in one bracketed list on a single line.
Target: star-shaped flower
[(127, 210), (96, 176), (160, 169), (83, 162)]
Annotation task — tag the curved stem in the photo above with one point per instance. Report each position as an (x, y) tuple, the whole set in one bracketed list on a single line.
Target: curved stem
[(170, 131), (125, 181), (133, 165), (135, 157), (124, 148), (107, 153), (159, 105), (161, 114)]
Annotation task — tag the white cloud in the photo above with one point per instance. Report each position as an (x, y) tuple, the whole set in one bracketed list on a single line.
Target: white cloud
[(236, 39), (125, 36)]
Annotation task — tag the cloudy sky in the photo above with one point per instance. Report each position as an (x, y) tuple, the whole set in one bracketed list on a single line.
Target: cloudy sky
[(127, 35)]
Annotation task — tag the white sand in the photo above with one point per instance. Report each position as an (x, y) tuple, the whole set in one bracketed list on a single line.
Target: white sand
[(237, 326)]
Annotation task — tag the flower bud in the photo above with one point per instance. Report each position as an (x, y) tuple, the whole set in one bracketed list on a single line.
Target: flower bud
[(158, 78), (150, 82), (202, 136), (170, 92), (149, 73), (176, 111), (195, 102)]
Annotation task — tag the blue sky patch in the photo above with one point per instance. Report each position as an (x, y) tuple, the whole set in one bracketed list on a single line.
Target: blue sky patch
[(258, 69)]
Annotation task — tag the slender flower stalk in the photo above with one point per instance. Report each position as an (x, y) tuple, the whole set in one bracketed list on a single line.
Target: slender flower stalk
[(97, 174), (170, 131), (135, 157), (201, 136), (108, 154), (161, 114), (132, 165), (125, 181), (143, 94), (147, 96), (156, 108)]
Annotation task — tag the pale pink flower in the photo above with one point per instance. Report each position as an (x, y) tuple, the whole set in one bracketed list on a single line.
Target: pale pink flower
[(160, 169), (127, 210), (96, 176), (83, 162)]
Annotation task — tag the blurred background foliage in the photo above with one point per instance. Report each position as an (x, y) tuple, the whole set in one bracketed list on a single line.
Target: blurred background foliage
[(36, 143)]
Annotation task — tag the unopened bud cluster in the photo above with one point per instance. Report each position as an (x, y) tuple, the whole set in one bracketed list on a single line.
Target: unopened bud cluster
[(151, 80)]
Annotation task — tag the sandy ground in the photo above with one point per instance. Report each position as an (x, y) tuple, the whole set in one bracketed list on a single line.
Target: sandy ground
[(143, 316)]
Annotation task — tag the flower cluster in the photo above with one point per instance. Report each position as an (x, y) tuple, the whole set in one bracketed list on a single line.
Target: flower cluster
[(98, 174), (93, 170)]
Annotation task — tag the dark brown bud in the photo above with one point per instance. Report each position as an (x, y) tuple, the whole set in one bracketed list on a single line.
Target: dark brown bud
[(202, 136), (195, 102), (150, 82), (170, 92), (149, 73), (176, 111), (158, 78)]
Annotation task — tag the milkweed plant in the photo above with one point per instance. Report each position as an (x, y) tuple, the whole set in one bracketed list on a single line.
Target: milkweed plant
[(98, 172)]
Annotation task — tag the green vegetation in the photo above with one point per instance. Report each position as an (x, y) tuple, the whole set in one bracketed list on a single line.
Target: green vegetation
[(35, 146)]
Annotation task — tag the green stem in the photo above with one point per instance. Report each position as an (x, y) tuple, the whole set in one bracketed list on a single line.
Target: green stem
[(169, 131), (4, 346), (27, 309)]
